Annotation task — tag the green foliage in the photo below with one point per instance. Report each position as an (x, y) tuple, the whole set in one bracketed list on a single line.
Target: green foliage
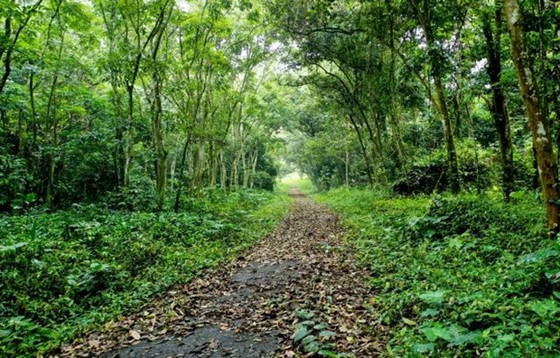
[(14, 182), (311, 336), (429, 174), (479, 169), (458, 276), (66, 271)]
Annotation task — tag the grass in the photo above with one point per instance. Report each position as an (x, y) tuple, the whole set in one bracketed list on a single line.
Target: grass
[(65, 272), (457, 276)]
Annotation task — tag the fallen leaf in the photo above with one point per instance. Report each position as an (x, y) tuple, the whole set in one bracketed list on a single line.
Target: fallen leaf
[(135, 334)]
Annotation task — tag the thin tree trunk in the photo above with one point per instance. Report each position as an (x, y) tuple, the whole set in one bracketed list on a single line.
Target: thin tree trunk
[(181, 176), (223, 171), (213, 165), (161, 161), (34, 125), (364, 150), (449, 138), (157, 125), (127, 134), (254, 159), (9, 42), (499, 107), (346, 168), (423, 12), (245, 167)]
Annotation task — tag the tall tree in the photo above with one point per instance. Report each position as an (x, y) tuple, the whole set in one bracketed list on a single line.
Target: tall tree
[(538, 123), (424, 11), (491, 26)]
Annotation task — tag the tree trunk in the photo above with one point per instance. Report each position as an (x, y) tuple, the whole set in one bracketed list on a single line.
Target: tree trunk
[(181, 176), (223, 171), (245, 166), (254, 160), (499, 107), (200, 169), (449, 138), (347, 168), (120, 157), (127, 140), (161, 161), (364, 150), (439, 98), (157, 126), (538, 123)]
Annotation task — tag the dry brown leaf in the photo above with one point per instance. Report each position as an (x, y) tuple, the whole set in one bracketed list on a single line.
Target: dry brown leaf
[(135, 334)]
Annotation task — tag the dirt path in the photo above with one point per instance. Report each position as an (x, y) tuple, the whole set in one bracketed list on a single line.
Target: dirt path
[(300, 280)]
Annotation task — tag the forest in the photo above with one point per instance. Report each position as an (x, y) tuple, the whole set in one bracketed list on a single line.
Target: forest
[(291, 178)]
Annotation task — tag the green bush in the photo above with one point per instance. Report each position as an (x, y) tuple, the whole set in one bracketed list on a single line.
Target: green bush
[(429, 174), (458, 276), (66, 271), (479, 169), (15, 181)]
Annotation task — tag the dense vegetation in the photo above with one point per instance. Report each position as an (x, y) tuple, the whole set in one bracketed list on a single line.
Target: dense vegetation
[(448, 111), (139, 138), (467, 275), (71, 270)]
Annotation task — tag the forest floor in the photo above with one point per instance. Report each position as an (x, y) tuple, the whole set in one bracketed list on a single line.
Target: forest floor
[(297, 291)]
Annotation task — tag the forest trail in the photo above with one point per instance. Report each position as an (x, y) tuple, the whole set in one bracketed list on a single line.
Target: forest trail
[(299, 277)]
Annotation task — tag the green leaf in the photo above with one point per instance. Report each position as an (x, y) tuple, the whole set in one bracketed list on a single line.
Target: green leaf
[(433, 297), (308, 340), (300, 333), (320, 326), (545, 308), (326, 334), (430, 312), (13, 247), (506, 338), (424, 348), (303, 314), (409, 321), (311, 347), (433, 333), (470, 337), (517, 195)]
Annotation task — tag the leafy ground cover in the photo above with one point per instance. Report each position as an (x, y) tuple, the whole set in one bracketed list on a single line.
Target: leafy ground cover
[(455, 276), (63, 272), (298, 292)]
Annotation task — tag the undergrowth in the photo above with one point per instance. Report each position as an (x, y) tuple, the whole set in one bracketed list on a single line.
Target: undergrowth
[(457, 276), (64, 272)]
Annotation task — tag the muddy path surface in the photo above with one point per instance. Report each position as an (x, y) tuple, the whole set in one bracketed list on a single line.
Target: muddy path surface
[(297, 291)]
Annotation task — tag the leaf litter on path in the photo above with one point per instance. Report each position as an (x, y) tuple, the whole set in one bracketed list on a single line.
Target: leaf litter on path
[(298, 292)]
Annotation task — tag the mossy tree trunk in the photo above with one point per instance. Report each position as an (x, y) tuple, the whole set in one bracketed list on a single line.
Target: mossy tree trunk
[(540, 128)]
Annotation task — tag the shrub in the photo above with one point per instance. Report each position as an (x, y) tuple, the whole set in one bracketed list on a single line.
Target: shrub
[(458, 276), (63, 272)]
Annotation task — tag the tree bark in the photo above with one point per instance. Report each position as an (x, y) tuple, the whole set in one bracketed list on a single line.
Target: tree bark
[(439, 97), (364, 150), (499, 108), (542, 141), (157, 123), (181, 176)]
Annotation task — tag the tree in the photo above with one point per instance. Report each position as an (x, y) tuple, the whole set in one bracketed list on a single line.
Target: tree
[(499, 107), (538, 123)]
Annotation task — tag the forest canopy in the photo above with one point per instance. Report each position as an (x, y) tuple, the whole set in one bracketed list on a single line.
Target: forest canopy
[(117, 98)]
